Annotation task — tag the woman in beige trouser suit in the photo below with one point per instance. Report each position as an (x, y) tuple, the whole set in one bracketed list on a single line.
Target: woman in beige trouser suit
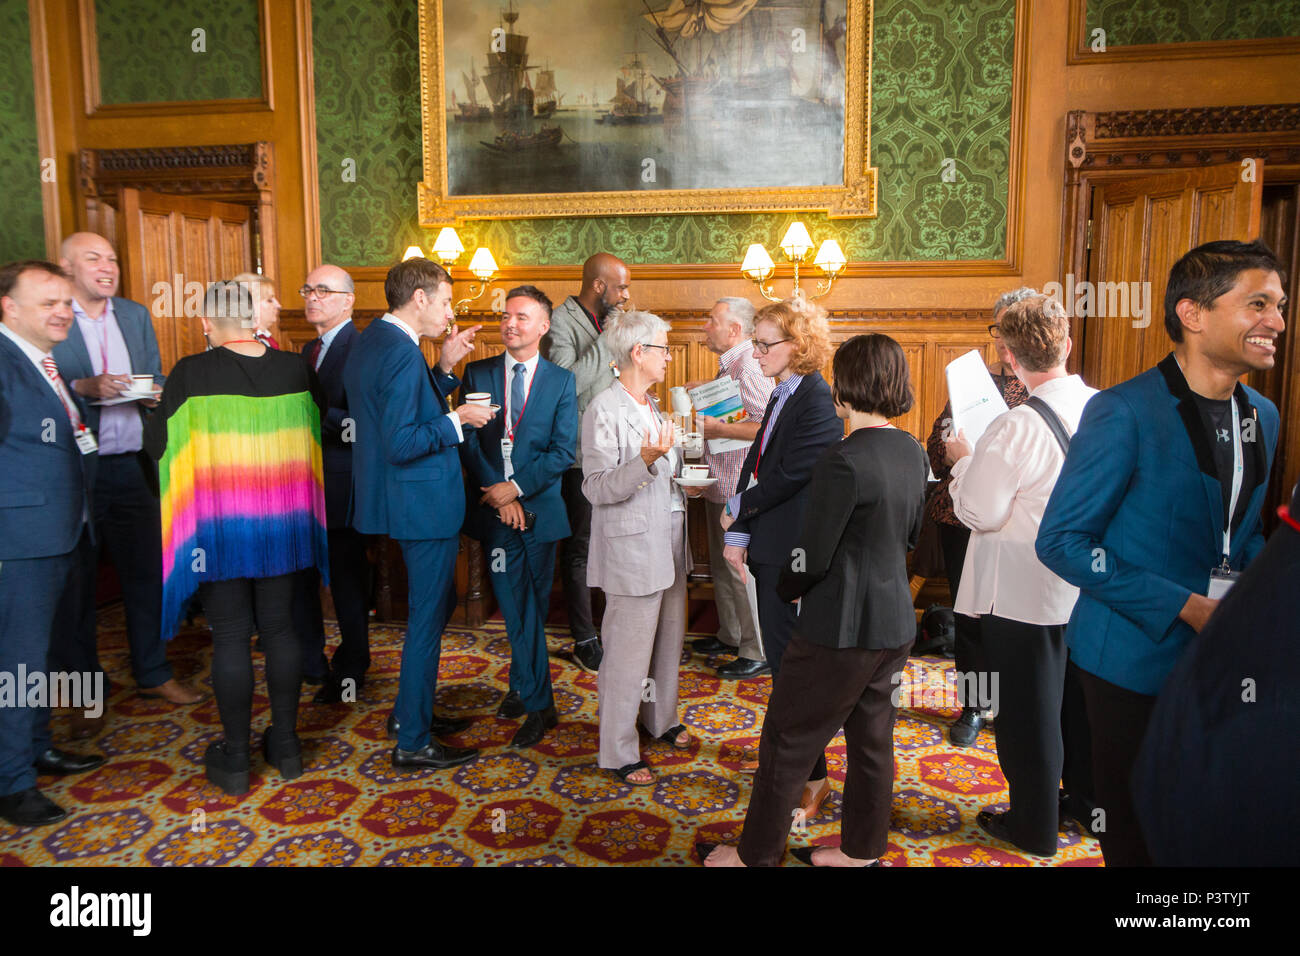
[(638, 554)]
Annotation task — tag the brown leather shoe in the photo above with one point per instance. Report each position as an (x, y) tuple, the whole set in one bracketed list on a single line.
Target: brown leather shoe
[(174, 691), (812, 801)]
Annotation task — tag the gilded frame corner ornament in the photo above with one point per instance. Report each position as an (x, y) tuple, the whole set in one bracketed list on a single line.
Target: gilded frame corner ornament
[(856, 198)]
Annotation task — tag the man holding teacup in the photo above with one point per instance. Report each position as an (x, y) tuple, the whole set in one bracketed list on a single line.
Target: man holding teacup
[(727, 333), (111, 355)]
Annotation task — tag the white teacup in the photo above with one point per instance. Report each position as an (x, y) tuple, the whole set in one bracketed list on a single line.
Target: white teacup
[(693, 444), (142, 384), (479, 398), (695, 472)]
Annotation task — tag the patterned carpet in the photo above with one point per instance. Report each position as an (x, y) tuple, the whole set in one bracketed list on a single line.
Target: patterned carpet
[(150, 805)]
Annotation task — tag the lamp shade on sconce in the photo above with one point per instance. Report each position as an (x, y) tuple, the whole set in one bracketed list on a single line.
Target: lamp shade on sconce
[(448, 247), (413, 252), (796, 243), (758, 264), (483, 265), (830, 257)]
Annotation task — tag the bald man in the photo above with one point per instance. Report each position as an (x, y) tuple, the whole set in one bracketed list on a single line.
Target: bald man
[(329, 296), (576, 341), (111, 340)]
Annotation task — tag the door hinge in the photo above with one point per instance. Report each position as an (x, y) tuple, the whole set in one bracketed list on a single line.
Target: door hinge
[(1087, 240)]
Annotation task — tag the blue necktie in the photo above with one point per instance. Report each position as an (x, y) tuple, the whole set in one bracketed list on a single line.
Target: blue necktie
[(517, 396)]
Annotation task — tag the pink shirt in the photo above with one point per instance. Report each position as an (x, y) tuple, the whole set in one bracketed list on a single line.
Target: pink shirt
[(738, 362), (120, 429)]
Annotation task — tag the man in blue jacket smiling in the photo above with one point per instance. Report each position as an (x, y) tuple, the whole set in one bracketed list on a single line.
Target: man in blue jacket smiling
[(1159, 503), (514, 465)]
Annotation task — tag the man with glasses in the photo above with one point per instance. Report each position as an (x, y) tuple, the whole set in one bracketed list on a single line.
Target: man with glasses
[(329, 295), (576, 341)]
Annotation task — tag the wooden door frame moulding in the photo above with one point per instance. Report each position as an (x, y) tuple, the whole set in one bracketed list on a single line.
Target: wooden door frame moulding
[(45, 138), (307, 134), (1101, 146), (1079, 52), (239, 173), (97, 108)]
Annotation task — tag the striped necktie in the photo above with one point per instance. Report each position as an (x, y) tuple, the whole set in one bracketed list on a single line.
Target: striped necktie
[(52, 373)]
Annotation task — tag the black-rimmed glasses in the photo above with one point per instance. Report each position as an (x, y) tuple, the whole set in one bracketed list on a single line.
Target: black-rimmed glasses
[(320, 291), (763, 347)]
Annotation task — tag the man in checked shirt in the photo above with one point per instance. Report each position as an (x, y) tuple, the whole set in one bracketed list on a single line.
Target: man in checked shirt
[(727, 332)]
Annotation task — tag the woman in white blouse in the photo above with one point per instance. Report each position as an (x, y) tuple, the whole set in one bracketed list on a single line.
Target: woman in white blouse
[(638, 554), (1000, 490)]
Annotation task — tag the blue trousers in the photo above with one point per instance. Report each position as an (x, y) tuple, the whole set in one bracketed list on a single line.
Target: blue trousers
[(522, 569), (431, 587), (31, 589)]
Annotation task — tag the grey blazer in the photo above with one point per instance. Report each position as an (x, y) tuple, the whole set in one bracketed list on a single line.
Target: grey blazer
[(631, 514), (572, 343)]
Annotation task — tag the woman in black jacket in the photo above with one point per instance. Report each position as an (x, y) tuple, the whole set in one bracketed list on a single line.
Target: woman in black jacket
[(855, 624)]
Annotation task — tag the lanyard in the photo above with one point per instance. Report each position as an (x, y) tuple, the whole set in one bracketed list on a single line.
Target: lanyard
[(1238, 470), (528, 393)]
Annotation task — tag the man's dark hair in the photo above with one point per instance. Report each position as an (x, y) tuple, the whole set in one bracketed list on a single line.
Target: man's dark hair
[(10, 272), (228, 302), (405, 277), (870, 375), (531, 292), (1210, 270)]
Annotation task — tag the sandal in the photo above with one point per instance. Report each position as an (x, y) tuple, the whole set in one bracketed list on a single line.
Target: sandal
[(670, 736), (625, 772)]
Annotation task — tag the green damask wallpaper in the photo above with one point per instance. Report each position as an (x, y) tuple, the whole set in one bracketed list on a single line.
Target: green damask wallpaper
[(942, 90), (149, 52), (1176, 21), (23, 235)]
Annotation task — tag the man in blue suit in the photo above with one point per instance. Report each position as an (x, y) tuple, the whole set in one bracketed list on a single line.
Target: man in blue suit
[(329, 294), (47, 459), (516, 463), (111, 340), (406, 481), (1159, 502)]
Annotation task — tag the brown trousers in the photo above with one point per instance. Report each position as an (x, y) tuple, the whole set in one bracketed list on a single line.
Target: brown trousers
[(819, 690)]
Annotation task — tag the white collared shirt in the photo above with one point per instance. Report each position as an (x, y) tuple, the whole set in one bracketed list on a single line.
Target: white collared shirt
[(327, 339), (1000, 492), (415, 337)]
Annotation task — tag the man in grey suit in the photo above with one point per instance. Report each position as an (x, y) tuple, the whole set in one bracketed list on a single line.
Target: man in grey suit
[(576, 341), (111, 340)]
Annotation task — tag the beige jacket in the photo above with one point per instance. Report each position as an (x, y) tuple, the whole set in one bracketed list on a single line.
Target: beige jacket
[(631, 515)]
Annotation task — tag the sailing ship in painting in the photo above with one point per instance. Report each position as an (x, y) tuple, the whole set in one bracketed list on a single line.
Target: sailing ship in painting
[(631, 102), (515, 101), (472, 109)]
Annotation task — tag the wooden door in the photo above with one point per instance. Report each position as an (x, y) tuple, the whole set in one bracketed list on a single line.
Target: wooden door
[(1140, 228), (172, 247)]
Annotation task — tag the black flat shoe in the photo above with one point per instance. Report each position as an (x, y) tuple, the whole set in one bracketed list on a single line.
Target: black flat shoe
[(511, 707), (535, 727), (432, 756), (995, 825), (711, 645), (60, 762), (743, 667), (30, 808), (588, 654), (284, 756), (804, 854), (440, 727), (226, 770), (966, 728)]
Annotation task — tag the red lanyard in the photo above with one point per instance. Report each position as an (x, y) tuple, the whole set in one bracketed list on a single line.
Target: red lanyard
[(528, 393), (1284, 513)]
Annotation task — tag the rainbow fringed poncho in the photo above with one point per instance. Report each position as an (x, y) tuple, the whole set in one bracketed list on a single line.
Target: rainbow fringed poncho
[(240, 475)]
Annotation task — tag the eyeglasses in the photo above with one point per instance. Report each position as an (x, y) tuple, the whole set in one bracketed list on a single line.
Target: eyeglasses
[(648, 345), (763, 347), (995, 331), (320, 291)]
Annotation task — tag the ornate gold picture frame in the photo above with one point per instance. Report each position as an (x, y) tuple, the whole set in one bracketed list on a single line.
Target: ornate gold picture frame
[(518, 88)]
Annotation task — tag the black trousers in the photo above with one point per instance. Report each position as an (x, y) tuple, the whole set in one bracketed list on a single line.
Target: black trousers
[(969, 655), (1029, 661), (350, 588), (776, 622), (1118, 719), (234, 608), (819, 690), (573, 556)]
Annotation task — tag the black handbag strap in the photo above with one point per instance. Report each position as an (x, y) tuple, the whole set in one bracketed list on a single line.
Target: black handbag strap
[(1053, 422)]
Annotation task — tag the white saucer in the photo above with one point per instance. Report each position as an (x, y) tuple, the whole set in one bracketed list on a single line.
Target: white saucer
[(125, 397), (695, 482)]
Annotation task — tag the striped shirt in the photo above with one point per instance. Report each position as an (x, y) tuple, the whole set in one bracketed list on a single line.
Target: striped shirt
[(738, 363), (779, 395)]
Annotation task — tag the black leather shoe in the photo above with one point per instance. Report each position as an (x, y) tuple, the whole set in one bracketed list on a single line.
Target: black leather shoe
[(967, 727), (285, 756), (743, 667), (433, 756), (535, 727), (440, 727), (995, 825), (711, 645), (329, 693), (587, 654), (227, 769), (30, 808), (511, 707), (61, 762)]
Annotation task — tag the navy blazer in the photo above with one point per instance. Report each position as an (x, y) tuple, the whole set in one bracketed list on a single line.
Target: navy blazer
[(772, 512), (545, 445), (405, 469), (1136, 521), (336, 452), (44, 485), (73, 357)]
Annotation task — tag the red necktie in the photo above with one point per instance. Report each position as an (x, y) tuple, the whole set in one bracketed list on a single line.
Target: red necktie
[(52, 373), (315, 355)]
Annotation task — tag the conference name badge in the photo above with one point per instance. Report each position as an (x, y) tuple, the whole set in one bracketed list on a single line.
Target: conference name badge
[(86, 441), (1221, 583)]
